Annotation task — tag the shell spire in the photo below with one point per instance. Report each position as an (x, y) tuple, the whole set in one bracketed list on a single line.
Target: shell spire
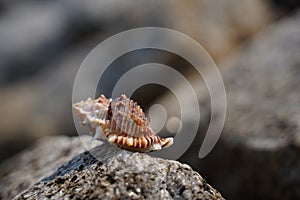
[(122, 122)]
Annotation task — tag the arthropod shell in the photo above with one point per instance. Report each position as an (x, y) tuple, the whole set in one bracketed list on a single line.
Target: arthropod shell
[(122, 122)]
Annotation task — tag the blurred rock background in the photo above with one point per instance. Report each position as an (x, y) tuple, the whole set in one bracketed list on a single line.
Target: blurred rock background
[(255, 44)]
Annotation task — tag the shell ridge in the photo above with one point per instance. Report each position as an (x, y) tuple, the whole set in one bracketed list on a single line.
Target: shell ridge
[(122, 122)]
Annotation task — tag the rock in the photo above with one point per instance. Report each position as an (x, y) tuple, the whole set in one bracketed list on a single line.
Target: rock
[(115, 173), (258, 154), (28, 167)]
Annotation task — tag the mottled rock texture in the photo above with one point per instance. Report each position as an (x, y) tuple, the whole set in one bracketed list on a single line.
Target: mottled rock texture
[(104, 172), (30, 166)]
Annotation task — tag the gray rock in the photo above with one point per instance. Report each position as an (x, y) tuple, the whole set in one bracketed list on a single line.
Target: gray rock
[(258, 155), (30, 166), (114, 174)]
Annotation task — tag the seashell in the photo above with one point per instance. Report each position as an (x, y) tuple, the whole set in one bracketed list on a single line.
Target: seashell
[(122, 122)]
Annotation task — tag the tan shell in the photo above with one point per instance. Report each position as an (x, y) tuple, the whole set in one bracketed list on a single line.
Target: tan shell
[(122, 121)]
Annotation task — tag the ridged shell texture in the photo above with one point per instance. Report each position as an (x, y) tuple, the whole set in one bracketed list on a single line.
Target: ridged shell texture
[(122, 122)]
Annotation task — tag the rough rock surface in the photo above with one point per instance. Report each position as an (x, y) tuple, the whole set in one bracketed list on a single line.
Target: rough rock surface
[(258, 155), (30, 166), (114, 174)]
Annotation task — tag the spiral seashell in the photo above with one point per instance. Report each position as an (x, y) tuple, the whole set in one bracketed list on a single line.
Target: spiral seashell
[(122, 122)]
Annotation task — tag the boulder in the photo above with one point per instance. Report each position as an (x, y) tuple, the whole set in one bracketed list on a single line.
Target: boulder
[(104, 172), (258, 154), (21, 171)]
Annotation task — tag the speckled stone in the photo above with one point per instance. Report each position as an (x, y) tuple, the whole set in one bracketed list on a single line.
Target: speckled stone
[(119, 174), (31, 165)]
